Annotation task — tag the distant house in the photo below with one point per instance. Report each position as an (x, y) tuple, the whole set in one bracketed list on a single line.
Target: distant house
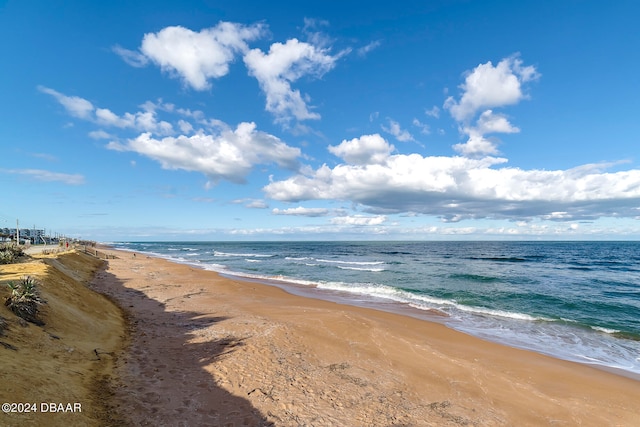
[(30, 235)]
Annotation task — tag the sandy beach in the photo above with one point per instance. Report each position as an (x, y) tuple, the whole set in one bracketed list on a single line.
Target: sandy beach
[(206, 350), (203, 350)]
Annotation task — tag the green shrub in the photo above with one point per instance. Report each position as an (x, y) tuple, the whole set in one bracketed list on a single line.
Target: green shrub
[(25, 299), (9, 253), (6, 257)]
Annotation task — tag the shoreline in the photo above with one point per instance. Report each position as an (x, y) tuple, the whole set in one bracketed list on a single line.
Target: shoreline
[(286, 359), (376, 303)]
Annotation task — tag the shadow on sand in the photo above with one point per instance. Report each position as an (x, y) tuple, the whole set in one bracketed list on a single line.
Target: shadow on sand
[(162, 380)]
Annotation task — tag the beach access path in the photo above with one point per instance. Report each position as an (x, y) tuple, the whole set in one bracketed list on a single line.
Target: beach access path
[(37, 249), (210, 350)]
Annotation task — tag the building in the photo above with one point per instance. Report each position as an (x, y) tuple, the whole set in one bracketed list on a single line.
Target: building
[(33, 235)]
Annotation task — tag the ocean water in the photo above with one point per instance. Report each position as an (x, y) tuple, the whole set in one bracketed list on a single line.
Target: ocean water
[(578, 301)]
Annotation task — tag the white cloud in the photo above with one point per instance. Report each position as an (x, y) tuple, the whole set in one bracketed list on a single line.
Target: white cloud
[(424, 128), (229, 155), (493, 123), (48, 176), (476, 146), (283, 65), (185, 127), (194, 57), (400, 134), (76, 106), (458, 188), (214, 148), (45, 156), (301, 211), (488, 86), (144, 121), (256, 204), (359, 220), (484, 88), (433, 112), (364, 50), (100, 134), (133, 58), (368, 149), (315, 36)]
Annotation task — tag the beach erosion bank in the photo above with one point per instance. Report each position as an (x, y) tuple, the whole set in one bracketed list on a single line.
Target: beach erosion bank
[(57, 374), (201, 349)]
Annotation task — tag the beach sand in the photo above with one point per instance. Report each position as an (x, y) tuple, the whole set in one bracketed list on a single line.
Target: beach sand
[(208, 350), (205, 350)]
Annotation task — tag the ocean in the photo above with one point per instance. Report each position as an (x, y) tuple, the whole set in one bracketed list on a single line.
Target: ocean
[(578, 301)]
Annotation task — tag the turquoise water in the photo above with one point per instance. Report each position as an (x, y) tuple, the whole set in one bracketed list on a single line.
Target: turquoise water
[(578, 301)]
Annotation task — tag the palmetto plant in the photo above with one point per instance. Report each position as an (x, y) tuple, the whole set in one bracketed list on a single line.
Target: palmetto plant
[(6, 257), (25, 300), (9, 253)]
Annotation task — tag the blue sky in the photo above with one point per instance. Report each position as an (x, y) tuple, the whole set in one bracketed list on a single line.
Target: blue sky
[(231, 120)]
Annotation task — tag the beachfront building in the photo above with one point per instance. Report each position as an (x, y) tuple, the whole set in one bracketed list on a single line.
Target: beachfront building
[(32, 235), (5, 235)]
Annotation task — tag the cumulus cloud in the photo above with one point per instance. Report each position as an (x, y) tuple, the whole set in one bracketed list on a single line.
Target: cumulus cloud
[(197, 57), (283, 65), (48, 176), (230, 155), (368, 149), (488, 86), (400, 134), (484, 88), (209, 146), (458, 188), (494, 123), (476, 145), (194, 57)]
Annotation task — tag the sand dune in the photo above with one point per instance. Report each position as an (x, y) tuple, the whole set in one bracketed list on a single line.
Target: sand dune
[(70, 358)]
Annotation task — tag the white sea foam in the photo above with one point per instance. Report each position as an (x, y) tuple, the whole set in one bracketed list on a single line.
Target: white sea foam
[(332, 261), (261, 277), (497, 313), (375, 270), (228, 254), (220, 268), (377, 291), (605, 330)]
